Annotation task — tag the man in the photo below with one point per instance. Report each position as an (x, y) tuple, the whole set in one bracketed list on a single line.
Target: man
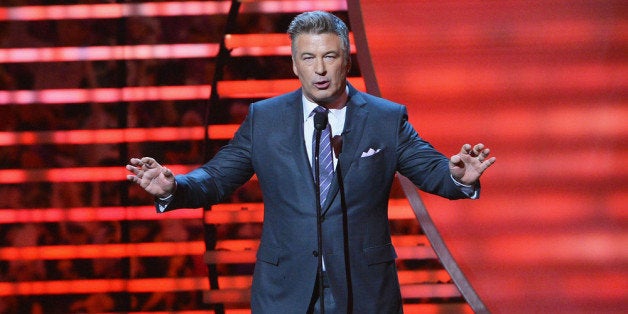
[(277, 142)]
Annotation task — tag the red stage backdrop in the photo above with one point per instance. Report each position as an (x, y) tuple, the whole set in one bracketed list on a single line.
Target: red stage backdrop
[(544, 84), (86, 84)]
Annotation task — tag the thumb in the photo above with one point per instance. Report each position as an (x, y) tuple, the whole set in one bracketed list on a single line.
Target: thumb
[(455, 159)]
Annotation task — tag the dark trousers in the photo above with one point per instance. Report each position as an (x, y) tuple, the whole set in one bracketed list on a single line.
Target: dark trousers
[(315, 304)]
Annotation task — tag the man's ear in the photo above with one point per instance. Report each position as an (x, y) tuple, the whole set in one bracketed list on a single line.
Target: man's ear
[(294, 68)]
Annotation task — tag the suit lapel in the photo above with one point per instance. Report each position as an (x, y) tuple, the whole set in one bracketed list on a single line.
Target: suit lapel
[(355, 120), (354, 126), (293, 117)]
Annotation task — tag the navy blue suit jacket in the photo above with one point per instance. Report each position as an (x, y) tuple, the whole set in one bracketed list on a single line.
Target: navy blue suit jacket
[(270, 144)]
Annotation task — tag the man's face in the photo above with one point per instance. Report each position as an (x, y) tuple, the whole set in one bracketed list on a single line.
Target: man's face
[(321, 65)]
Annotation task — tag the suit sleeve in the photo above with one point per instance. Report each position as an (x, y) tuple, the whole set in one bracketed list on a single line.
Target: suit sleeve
[(420, 162), (218, 178)]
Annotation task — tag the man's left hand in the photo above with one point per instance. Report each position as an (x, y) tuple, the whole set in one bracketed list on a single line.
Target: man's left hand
[(468, 165)]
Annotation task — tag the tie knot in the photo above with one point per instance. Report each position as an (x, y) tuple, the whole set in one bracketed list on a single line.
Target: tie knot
[(320, 109)]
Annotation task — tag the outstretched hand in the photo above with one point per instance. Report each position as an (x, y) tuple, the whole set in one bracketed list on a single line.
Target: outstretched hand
[(468, 165), (151, 176)]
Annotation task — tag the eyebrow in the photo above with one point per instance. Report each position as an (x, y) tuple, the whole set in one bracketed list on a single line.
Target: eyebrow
[(336, 52)]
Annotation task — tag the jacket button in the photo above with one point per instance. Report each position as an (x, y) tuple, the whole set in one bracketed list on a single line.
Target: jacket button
[(315, 253)]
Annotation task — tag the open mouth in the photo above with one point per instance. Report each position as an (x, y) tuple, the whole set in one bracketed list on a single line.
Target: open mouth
[(322, 84)]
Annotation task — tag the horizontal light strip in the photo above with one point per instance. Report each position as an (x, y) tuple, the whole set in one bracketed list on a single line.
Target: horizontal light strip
[(423, 276), (279, 44), (553, 167), (104, 95), (111, 11), (430, 308), (86, 214), (241, 45), (187, 8), (229, 295), (236, 250), (604, 120), (78, 174), (420, 291), (220, 213), (226, 89), (276, 44), (88, 286), (158, 284), (233, 41), (59, 252), (94, 53), (561, 121), (116, 136)]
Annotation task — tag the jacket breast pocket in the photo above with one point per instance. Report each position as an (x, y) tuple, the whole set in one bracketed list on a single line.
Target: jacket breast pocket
[(373, 159)]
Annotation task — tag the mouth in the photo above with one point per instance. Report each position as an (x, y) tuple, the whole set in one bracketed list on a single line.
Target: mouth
[(322, 84)]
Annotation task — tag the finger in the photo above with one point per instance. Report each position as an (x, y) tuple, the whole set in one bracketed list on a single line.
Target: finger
[(133, 169), (483, 154), (466, 149), (132, 178), (455, 159), (136, 162), (477, 149), (149, 162), (487, 163)]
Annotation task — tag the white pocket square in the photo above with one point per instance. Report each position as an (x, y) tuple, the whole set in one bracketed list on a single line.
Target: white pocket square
[(370, 152)]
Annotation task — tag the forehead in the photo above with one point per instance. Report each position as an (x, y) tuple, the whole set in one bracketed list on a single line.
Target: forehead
[(310, 42)]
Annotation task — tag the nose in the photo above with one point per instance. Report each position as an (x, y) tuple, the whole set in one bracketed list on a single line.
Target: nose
[(319, 67)]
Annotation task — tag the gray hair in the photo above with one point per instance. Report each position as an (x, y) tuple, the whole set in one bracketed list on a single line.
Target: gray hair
[(319, 22)]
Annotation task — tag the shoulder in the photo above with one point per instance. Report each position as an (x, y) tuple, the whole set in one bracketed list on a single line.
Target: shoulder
[(279, 102), (377, 104)]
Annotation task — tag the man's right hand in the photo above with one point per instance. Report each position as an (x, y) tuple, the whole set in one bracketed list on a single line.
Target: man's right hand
[(151, 176)]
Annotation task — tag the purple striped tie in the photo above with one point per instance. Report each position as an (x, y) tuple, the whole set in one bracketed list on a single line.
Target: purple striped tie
[(325, 156)]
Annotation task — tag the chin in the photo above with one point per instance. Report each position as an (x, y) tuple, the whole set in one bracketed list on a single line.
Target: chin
[(324, 98)]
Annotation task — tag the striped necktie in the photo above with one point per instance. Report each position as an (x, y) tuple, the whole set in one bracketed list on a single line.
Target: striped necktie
[(325, 156)]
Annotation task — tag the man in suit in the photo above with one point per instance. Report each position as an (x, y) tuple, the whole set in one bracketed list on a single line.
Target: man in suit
[(277, 141)]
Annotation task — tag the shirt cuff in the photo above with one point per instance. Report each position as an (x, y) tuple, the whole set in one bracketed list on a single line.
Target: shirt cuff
[(471, 191), (163, 202)]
